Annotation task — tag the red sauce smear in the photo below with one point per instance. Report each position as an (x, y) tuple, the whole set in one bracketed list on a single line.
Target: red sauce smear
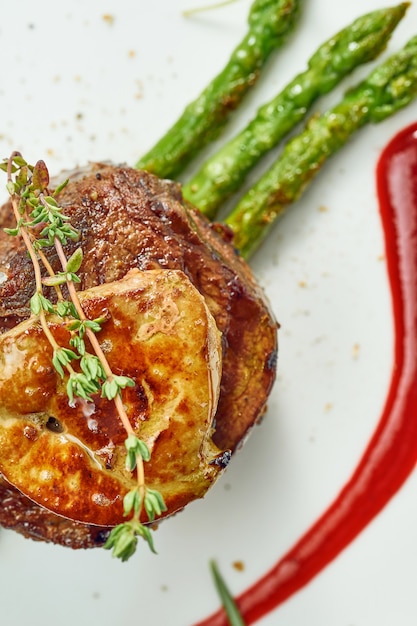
[(391, 454)]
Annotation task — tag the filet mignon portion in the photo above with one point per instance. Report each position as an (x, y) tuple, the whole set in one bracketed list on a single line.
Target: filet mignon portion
[(131, 219)]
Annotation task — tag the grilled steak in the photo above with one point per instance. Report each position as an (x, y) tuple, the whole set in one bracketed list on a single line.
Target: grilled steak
[(129, 219)]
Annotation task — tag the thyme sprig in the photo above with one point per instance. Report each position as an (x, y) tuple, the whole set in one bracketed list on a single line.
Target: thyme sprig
[(42, 224)]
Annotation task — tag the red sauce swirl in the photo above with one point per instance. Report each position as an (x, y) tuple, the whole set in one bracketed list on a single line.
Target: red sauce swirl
[(392, 452)]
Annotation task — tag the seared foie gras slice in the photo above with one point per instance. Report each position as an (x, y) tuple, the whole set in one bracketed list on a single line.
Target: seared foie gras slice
[(70, 459)]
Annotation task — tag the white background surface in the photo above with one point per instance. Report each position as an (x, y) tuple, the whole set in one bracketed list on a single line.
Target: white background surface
[(77, 87)]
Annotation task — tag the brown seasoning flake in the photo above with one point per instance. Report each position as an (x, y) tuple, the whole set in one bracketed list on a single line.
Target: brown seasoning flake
[(109, 19), (238, 566)]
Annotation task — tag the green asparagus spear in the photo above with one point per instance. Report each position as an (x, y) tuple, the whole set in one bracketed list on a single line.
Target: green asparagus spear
[(390, 87), (269, 21), (225, 172)]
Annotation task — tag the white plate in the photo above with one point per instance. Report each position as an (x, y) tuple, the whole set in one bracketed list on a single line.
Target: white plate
[(93, 80)]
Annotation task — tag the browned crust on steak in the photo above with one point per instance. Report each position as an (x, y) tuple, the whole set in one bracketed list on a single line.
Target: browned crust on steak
[(129, 218)]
